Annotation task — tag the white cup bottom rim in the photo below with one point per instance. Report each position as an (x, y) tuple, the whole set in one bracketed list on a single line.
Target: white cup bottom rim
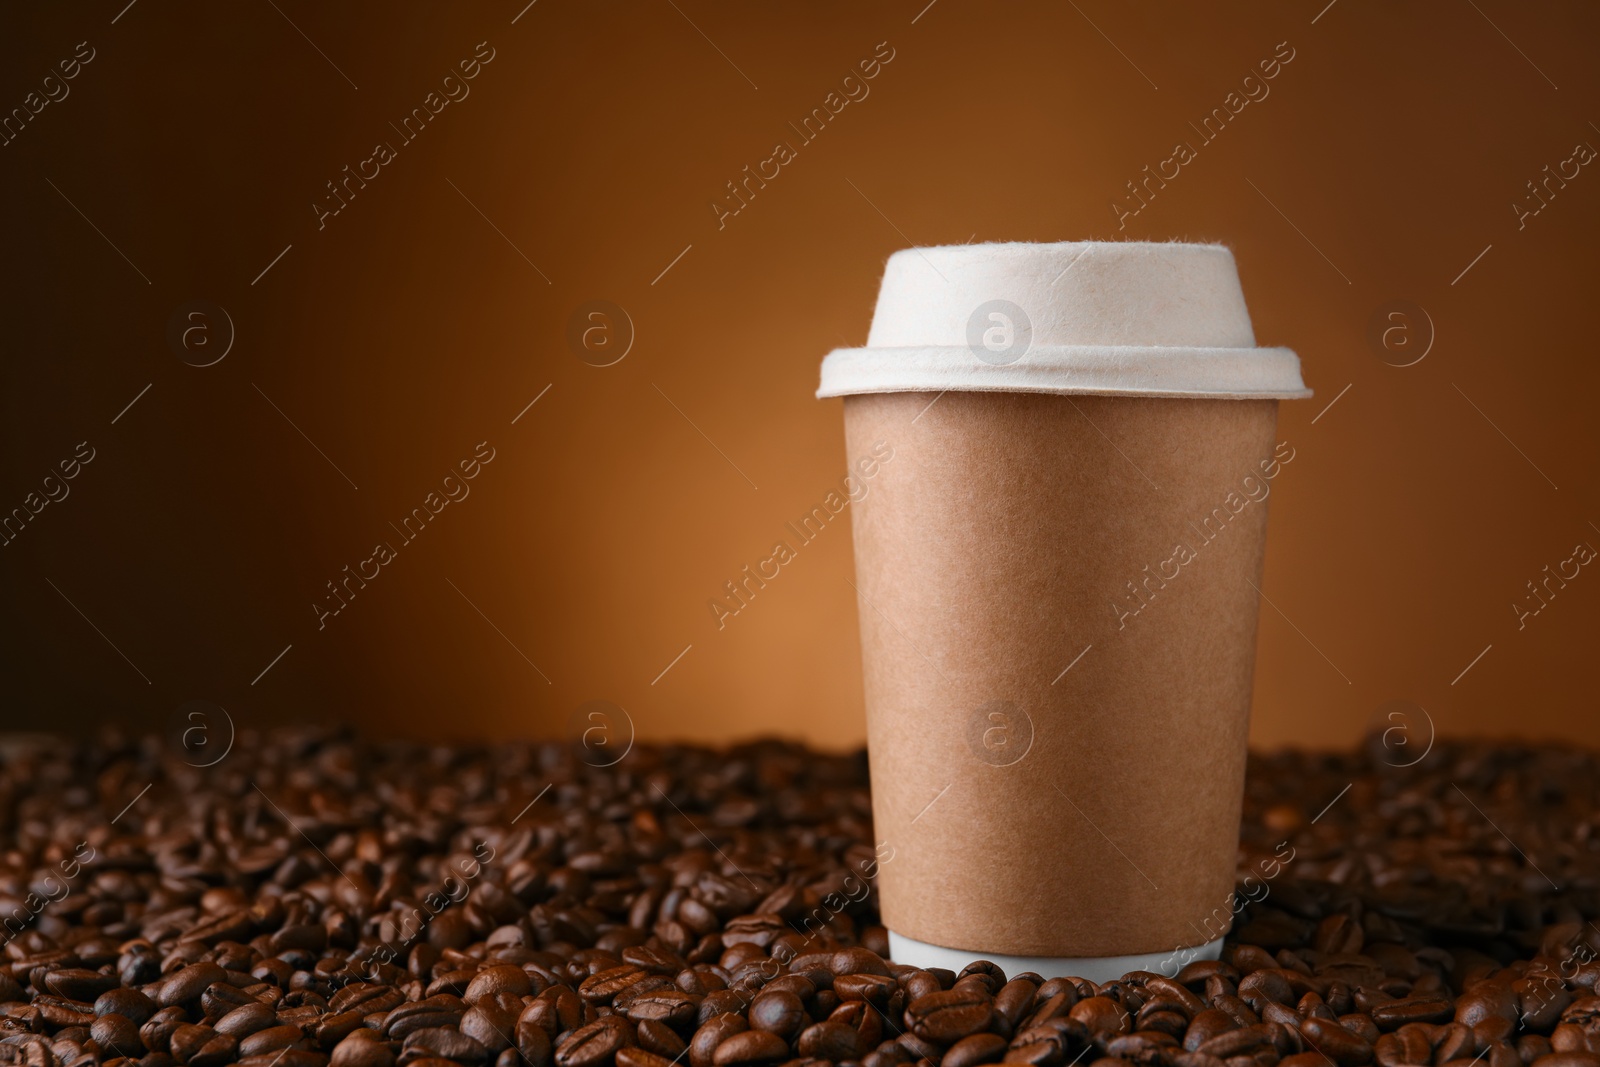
[(1096, 969)]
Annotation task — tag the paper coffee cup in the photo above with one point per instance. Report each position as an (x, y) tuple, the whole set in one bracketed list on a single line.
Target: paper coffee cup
[(1057, 586)]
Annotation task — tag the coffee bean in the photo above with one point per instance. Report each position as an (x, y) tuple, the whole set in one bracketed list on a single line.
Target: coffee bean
[(128, 1003), (117, 1035), (1304, 1059), (60, 1012), (188, 983), (1232, 1043), (362, 1048), (779, 1012), (1015, 1000), (533, 1043), (441, 1010), (289, 1057), (1570, 1037), (751, 1047), (873, 988), (862, 1017), (596, 1044), (1141, 1048), (1206, 1025), (602, 987), (443, 1043), (269, 1039), (201, 1046), (670, 1006), (331, 1029), (1360, 1025), (1171, 1023), (499, 979), (975, 1049), (1266, 986), (490, 1024), (703, 1046), (948, 1016), (1336, 1043), (829, 1040), (858, 961), (1101, 1015), (78, 983), (246, 1020), (638, 1057)]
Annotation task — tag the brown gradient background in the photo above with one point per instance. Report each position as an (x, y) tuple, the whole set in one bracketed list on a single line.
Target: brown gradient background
[(409, 329)]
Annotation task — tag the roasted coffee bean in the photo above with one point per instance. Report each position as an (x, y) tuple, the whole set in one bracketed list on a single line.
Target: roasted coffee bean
[(156, 1032), (1176, 992), (1336, 1043), (1135, 1048), (1361, 1026), (1232, 1043), (188, 983), (117, 1035), (673, 1007), (246, 1020), (429, 1012), (1452, 1040), (751, 1047), (975, 1049), (711, 1034), (873, 988), (638, 1057), (1266, 986), (721, 1002), (289, 1057), (602, 987), (829, 1040), (1015, 1001), (490, 1024), (1206, 1025), (1396, 1013), (442, 1043), (128, 1003), (1570, 1038), (60, 1012), (596, 1044), (862, 1017), (948, 1016), (533, 1044), (779, 1012), (1541, 1001), (78, 983), (858, 961), (661, 1039), (332, 1029), (269, 1039), (503, 978), (362, 1048), (1101, 1015), (201, 1046)]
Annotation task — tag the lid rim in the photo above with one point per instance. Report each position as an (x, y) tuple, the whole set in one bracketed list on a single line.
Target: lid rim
[(1104, 370)]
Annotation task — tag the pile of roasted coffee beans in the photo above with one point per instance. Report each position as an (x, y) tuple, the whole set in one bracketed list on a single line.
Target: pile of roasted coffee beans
[(314, 899)]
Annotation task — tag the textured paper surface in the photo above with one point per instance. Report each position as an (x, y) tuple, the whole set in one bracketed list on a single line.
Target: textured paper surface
[(988, 557)]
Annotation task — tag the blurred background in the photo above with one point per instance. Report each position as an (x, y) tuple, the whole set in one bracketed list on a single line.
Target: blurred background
[(275, 271)]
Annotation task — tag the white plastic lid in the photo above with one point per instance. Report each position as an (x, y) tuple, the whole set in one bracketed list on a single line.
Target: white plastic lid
[(1119, 318)]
